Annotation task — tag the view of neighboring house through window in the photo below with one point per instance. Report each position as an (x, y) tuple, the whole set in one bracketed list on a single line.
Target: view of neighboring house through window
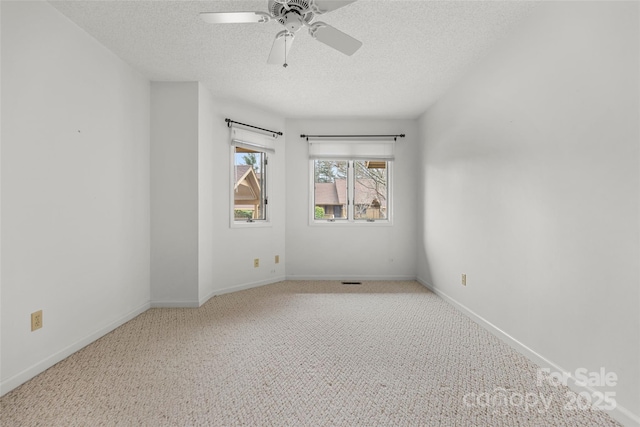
[(353, 190), (370, 190), (249, 190), (330, 189)]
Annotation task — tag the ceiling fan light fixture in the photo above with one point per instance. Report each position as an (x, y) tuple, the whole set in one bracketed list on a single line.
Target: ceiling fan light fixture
[(293, 21)]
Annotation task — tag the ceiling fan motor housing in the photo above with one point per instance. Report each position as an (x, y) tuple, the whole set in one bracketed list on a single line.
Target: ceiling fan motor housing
[(292, 13)]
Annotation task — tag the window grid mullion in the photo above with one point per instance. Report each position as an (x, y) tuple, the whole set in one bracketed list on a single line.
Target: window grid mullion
[(350, 191)]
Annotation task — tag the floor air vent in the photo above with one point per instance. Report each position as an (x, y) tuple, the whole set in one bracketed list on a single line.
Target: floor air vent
[(352, 283)]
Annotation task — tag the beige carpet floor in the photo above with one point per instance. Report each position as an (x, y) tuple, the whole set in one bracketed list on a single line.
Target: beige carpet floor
[(309, 353)]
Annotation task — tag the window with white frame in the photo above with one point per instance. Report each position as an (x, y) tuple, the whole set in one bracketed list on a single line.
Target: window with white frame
[(351, 180), (250, 176)]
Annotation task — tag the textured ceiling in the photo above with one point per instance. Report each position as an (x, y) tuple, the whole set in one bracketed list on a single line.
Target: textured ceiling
[(412, 52)]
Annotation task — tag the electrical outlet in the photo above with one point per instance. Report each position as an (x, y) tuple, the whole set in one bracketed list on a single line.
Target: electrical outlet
[(36, 320), (256, 263), (464, 280), (277, 259)]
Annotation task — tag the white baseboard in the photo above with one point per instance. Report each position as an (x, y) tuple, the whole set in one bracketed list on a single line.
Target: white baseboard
[(244, 286), (349, 277), (241, 287), (24, 376), (619, 413)]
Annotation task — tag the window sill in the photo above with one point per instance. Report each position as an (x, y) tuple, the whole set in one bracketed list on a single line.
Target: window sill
[(345, 223)]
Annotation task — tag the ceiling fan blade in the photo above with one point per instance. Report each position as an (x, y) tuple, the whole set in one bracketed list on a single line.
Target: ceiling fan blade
[(324, 6), (280, 48), (234, 17), (335, 38)]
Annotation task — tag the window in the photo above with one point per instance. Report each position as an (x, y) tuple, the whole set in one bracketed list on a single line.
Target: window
[(351, 190), (249, 189), (370, 190), (351, 180), (249, 176), (330, 191)]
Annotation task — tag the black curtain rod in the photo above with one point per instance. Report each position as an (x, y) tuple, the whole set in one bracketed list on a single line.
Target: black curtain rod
[(229, 121), (395, 137)]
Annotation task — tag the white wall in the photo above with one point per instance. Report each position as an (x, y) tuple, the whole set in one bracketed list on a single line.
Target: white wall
[(206, 196), (75, 189), (531, 181), (0, 200), (195, 254), (234, 249), (352, 252), (174, 193)]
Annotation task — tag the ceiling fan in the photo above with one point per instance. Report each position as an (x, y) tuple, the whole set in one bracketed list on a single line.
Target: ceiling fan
[(293, 15)]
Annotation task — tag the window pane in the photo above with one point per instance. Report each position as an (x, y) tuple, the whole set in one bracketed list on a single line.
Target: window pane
[(370, 190), (249, 185), (330, 189)]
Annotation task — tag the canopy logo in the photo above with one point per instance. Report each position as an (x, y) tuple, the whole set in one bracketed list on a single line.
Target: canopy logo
[(501, 401)]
